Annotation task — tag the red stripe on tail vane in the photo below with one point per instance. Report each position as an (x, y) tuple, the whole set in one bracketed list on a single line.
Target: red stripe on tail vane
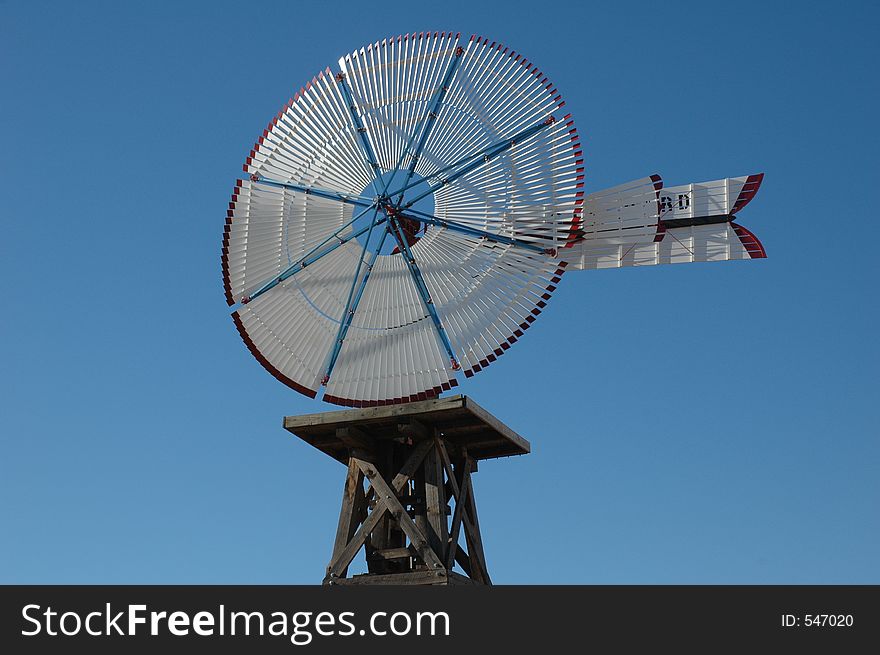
[(750, 188), (750, 242)]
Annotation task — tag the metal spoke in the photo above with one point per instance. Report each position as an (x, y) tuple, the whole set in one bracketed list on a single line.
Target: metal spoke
[(354, 298), (483, 156), (422, 288), (312, 256), (428, 219), (368, 152), (313, 191), (427, 122)]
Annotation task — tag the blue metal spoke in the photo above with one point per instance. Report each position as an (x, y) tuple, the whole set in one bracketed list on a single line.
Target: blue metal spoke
[(313, 191), (428, 219), (354, 298), (426, 124), (456, 164), (483, 156), (422, 288), (368, 152), (312, 256)]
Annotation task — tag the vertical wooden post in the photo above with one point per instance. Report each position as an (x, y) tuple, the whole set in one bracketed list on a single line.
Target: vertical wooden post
[(472, 528), (352, 506), (435, 504)]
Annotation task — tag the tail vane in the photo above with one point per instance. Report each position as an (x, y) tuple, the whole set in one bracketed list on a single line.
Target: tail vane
[(643, 224)]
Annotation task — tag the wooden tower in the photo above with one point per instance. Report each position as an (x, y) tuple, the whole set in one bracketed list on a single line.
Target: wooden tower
[(408, 498)]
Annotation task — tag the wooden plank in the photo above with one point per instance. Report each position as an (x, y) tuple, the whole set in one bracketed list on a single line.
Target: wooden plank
[(392, 553), (423, 577), (389, 497), (463, 428), (497, 425), (374, 413)]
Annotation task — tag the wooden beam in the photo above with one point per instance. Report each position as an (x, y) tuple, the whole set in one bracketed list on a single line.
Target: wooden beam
[(392, 553), (463, 428), (353, 437), (423, 577), (368, 414), (472, 530), (463, 492), (412, 463), (463, 560), (447, 466), (460, 504), (435, 504), (380, 535), (419, 510), (339, 564), (497, 425), (349, 515), (413, 428)]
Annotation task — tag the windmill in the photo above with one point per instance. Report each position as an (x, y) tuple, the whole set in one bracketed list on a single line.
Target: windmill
[(403, 220)]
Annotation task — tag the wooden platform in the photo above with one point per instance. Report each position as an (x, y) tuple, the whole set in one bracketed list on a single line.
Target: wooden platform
[(460, 421)]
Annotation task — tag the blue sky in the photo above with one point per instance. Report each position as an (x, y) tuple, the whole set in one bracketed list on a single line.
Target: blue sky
[(713, 423)]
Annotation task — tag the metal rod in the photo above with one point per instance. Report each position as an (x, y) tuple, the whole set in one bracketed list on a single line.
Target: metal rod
[(354, 298), (368, 152), (313, 191), (422, 288), (311, 257), (428, 219), (484, 156), (428, 122)]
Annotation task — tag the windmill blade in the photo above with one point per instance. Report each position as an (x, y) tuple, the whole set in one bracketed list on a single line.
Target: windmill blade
[(643, 224)]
